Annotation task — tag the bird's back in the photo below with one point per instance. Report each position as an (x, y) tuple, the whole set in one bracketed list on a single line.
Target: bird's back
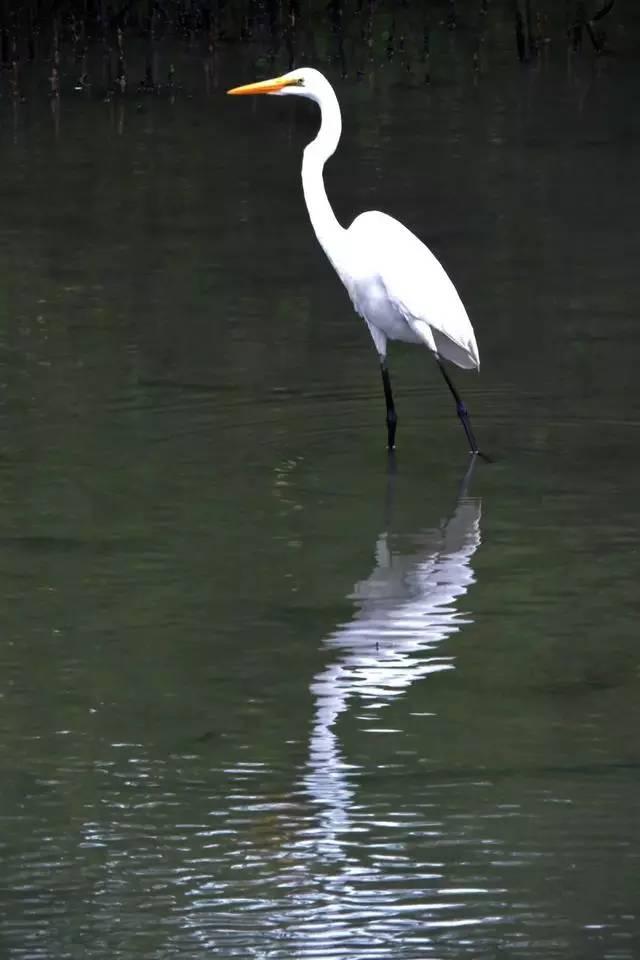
[(415, 284)]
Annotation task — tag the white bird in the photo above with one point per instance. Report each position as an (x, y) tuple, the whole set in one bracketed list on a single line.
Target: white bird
[(395, 283)]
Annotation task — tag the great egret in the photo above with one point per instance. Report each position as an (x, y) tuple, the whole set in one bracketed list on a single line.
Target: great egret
[(395, 283)]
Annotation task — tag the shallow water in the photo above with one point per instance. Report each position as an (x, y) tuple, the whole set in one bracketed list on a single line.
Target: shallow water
[(261, 696)]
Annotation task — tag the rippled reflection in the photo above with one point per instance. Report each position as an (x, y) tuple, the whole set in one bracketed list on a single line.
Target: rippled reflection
[(366, 889), (405, 608), (354, 875)]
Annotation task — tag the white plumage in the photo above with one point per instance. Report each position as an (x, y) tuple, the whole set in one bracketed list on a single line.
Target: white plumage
[(394, 281), (391, 294)]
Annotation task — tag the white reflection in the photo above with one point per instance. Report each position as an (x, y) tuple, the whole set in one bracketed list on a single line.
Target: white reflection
[(405, 608), (337, 881)]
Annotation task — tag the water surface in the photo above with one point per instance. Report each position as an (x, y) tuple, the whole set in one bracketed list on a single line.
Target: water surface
[(259, 696)]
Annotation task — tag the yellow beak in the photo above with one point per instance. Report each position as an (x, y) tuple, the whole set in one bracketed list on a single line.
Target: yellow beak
[(265, 86)]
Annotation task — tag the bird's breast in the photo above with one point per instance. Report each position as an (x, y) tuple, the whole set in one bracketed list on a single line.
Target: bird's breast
[(372, 302)]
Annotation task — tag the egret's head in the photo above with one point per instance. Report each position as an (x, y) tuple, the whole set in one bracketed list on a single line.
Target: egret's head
[(304, 82)]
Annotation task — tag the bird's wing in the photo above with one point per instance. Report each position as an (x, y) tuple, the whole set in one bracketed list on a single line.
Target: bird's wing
[(418, 286)]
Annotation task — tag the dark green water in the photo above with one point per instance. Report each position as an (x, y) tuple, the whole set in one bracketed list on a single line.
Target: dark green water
[(258, 698)]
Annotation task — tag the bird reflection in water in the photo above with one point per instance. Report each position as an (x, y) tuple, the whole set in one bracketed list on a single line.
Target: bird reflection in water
[(405, 608), (338, 883)]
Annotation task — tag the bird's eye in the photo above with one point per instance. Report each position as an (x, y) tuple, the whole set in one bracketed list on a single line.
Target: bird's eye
[(299, 82)]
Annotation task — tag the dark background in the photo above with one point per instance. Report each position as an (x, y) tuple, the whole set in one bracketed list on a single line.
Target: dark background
[(150, 45)]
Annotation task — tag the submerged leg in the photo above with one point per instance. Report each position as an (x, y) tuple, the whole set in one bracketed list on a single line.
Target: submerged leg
[(461, 409), (392, 418)]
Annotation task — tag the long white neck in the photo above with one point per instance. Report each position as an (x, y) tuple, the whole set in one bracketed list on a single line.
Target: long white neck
[(323, 219)]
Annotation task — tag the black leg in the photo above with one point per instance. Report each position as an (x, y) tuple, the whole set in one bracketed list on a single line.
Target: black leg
[(392, 418), (462, 411)]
